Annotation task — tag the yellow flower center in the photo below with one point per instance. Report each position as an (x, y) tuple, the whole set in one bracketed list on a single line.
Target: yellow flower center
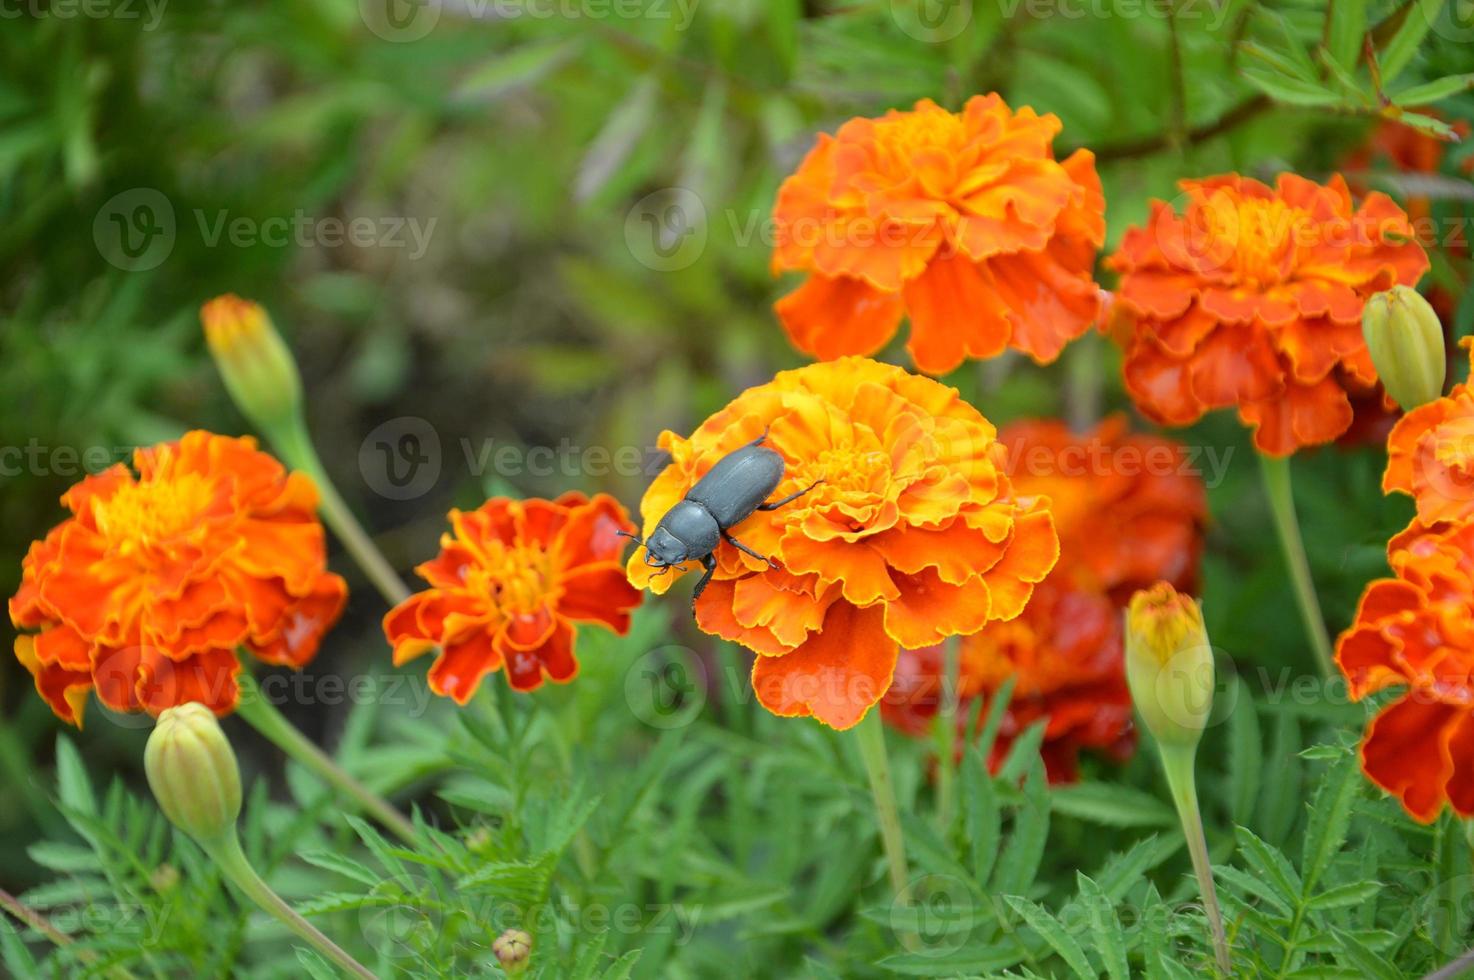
[(1258, 236), (141, 516), (518, 577)]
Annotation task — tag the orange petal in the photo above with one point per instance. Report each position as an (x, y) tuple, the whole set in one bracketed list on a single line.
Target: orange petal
[(836, 676)]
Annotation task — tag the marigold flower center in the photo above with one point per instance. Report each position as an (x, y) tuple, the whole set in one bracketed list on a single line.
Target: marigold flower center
[(1263, 236), (143, 516), (518, 578)]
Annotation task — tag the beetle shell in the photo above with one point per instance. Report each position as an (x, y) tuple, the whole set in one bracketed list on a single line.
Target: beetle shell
[(738, 483)]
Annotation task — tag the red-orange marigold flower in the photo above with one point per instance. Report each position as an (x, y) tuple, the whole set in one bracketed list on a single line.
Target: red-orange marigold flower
[(1430, 455), (963, 222), (1130, 510), (915, 534), (149, 589), (1416, 632), (1252, 297), (511, 579)]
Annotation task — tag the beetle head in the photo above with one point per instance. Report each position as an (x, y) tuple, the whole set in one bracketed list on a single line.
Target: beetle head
[(663, 549)]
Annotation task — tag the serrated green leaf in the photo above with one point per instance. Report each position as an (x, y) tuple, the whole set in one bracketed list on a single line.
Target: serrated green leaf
[(1343, 896), (1019, 862), (1105, 928), (1330, 818), (623, 966), (984, 816), (1347, 25), (1355, 954), (13, 953), (343, 865), (1291, 91), (1054, 934), (1267, 861)]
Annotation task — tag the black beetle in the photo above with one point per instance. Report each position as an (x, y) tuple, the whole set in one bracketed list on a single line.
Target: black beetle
[(726, 496)]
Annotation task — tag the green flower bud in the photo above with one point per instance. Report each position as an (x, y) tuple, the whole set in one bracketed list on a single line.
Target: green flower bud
[(512, 948), (192, 771), (1169, 665), (258, 368), (1405, 339)]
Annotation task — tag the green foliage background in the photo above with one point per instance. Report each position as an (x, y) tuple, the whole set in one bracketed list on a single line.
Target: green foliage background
[(530, 141)]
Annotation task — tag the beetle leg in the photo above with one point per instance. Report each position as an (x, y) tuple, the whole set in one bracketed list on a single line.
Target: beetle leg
[(759, 440), (746, 550), (710, 563), (790, 498)]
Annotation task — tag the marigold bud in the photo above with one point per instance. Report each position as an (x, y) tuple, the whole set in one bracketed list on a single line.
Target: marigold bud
[(257, 366), (1169, 664), (512, 948), (192, 771), (1405, 339)]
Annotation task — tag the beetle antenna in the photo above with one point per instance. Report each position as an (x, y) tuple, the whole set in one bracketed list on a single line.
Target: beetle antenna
[(633, 537)]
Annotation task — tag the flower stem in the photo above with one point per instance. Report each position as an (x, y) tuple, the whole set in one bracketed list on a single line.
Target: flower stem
[(295, 444), (227, 853), (263, 716), (1177, 763), (947, 734), (1276, 474), (878, 767)]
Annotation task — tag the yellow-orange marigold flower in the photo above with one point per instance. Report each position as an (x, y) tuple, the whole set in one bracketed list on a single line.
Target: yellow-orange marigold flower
[(964, 222), (1416, 632), (1430, 456), (149, 589), (511, 579), (1130, 510), (915, 534), (1252, 298)]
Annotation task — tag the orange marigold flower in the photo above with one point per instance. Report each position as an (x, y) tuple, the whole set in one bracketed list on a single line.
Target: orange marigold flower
[(915, 534), (1252, 297), (964, 222), (511, 579), (1064, 654), (1416, 632), (1065, 651), (1430, 456), (149, 589)]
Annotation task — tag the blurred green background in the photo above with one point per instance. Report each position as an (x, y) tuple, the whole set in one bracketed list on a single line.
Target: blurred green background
[(558, 215)]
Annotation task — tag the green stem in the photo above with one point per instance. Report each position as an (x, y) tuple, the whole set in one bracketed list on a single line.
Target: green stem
[(1177, 763), (947, 719), (227, 853), (261, 715), (877, 766), (1276, 474), (295, 445)]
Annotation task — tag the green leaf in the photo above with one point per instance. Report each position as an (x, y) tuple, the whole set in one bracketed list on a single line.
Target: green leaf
[(1019, 862), (1054, 934), (1434, 127), (1404, 44), (1330, 818), (984, 817), (1245, 754), (1105, 928), (1353, 953), (1434, 91), (1252, 885), (66, 858), (623, 966), (343, 865), (1267, 861), (622, 130), (73, 785), (983, 958), (516, 68), (1348, 24), (1343, 896), (315, 966), (14, 955), (1112, 805), (1291, 91)]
